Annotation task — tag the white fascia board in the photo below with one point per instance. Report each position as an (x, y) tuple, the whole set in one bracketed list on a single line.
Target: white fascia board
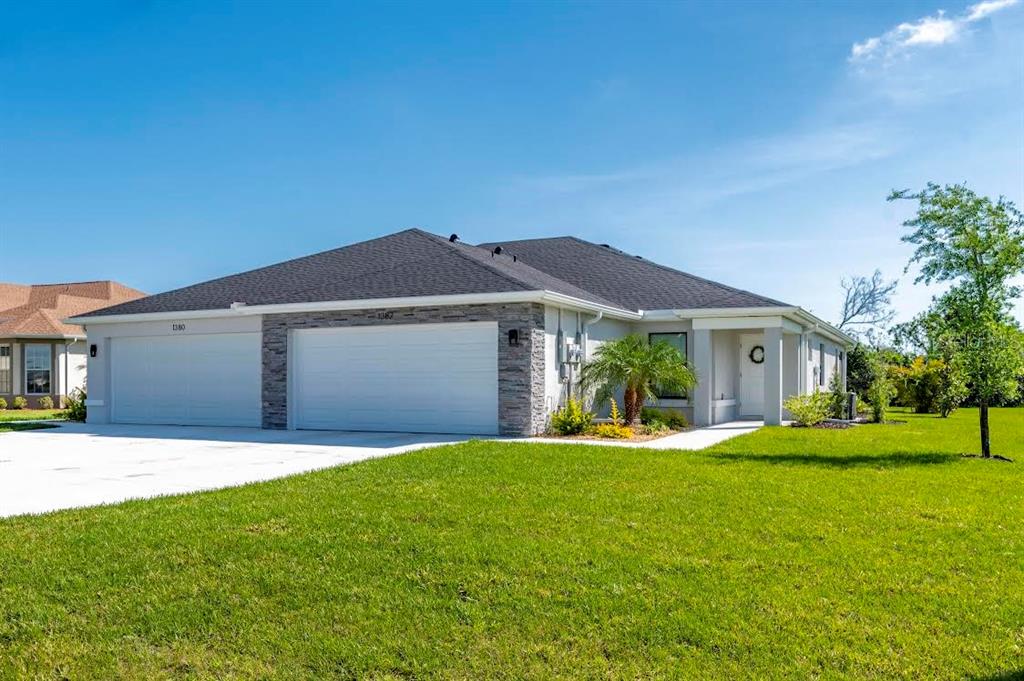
[(771, 322), (805, 319), (548, 297), (824, 328)]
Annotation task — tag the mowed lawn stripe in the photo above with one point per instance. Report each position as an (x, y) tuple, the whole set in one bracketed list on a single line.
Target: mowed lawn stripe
[(871, 552)]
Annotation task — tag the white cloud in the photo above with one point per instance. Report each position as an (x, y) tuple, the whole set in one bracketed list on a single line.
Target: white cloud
[(983, 9), (929, 31), (926, 31)]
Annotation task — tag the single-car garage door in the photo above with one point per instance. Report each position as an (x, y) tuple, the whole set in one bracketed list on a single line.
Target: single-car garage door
[(207, 380), (421, 378)]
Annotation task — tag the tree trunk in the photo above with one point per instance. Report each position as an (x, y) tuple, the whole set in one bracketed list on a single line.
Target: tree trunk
[(630, 412), (986, 444)]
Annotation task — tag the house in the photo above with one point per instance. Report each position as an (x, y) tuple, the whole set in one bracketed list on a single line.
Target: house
[(420, 333), (41, 355)]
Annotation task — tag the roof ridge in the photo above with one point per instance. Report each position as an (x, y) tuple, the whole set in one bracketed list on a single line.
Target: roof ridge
[(440, 240)]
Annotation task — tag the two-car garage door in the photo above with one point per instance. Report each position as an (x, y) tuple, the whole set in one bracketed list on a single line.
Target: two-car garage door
[(440, 378), (203, 380), (422, 378)]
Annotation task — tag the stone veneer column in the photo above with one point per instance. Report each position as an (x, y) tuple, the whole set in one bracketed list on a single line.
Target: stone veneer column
[(520, 368)]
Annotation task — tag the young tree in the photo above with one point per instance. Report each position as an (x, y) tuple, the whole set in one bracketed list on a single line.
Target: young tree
[(978, 245), (867, 303), (641, 368)]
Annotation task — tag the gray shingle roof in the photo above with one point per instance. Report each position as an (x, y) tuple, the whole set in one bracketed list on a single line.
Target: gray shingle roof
[(408, 263), (632, 282), (417, 263)]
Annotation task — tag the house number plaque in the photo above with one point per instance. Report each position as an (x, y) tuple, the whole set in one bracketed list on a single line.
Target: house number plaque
[(385, 315), (178, 326)]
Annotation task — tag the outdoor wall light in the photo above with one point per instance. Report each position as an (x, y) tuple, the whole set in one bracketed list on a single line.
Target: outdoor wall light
[(513, 336), (92, 350)]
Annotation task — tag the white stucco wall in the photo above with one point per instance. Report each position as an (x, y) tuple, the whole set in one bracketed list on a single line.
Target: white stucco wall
[(100, 335), (832, 361), (71, 366)]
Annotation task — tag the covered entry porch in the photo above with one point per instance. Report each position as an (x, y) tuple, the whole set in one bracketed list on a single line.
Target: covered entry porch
[(746, 367)]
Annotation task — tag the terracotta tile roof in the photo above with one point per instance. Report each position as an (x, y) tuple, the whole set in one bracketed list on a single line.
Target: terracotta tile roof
[(38, 310)]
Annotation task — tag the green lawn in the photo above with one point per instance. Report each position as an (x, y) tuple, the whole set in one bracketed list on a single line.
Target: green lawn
[(8, 426), (8, 415), (872, 552)]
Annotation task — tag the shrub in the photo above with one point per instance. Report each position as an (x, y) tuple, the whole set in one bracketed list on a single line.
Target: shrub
[(46, 402), (808, 410), (614, 413), (74, 409), (19, 403), (613, 431), (880, 394), (569, 420), (3, 404), (669, 418), (836, 397)]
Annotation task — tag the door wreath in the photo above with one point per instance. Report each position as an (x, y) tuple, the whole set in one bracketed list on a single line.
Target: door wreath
[(757, 354)]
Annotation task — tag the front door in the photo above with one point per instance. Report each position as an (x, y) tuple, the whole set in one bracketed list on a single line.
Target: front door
[(751, 375)]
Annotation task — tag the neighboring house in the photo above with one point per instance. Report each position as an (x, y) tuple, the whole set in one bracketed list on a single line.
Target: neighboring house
[(419, 333), (41, 355)]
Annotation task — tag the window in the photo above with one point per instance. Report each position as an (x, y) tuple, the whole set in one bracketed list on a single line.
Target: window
[(821, 364), (37, 369), (676, 340), (5, 370)]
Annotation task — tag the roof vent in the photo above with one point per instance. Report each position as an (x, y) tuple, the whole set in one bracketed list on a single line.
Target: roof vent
[(496, 251), (605, 246), (453, 238)]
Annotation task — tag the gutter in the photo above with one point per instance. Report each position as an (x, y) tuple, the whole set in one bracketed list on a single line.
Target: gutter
[(586, 331)]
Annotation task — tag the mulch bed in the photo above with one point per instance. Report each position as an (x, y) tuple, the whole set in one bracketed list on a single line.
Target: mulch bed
[(647, 437)]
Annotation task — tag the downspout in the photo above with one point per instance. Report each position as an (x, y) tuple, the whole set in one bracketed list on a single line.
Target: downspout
[(586, 334)]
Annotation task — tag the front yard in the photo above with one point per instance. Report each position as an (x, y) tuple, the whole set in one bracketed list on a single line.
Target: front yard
[(876, 551), (8, 415)]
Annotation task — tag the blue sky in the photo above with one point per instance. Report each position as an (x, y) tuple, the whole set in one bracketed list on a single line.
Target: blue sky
[(161, 144)]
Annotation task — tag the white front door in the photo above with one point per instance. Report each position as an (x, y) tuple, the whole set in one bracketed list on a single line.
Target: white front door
[(199, 380), (418, 378), (751, 376)]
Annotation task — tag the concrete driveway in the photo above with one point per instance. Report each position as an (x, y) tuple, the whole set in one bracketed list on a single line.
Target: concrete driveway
[(82, 465)]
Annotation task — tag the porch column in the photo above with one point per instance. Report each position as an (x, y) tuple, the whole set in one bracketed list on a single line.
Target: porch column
[(702, 364), (773, 376)]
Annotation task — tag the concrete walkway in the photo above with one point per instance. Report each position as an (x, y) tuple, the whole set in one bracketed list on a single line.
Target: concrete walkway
[(699, 438)]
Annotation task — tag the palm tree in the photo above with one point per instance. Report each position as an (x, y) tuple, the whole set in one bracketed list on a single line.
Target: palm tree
[(643, 369)]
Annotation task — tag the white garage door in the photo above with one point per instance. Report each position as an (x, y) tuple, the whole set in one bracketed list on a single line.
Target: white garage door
[(423, 378), (208, 380)]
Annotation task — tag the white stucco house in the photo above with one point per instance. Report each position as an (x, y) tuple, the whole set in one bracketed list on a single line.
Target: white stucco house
[(420, 333)]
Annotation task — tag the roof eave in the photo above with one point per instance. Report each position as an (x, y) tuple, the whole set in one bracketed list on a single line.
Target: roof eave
[(548, 297), (792, 312)]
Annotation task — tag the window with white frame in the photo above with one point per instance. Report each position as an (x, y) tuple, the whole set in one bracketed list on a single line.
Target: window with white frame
[(6, 376), (38, 365)]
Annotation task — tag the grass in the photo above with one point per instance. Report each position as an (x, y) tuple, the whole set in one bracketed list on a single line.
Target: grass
[(6, 427), (8, 415), (871, 552)]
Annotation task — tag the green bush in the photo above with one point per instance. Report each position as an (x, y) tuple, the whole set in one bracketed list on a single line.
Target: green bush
[(808, 410), (571, 419), (613, 431), (3, 404), (669, 418), (19, 403), (880, 394), (74, 409), (46, 402), (836, 397)]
